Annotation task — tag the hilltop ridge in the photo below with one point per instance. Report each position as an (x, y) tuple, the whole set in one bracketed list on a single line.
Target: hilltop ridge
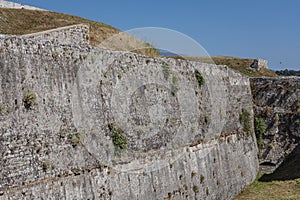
[(23, 21), (243, 65)]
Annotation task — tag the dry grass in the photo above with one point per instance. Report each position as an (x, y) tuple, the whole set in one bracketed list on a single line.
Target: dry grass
[(274, 190), (240, 64), (21, 21)]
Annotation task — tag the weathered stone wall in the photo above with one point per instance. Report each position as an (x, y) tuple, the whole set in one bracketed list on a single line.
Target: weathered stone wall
[(69, 35), (67, 112), (8, 4), (277, 104)]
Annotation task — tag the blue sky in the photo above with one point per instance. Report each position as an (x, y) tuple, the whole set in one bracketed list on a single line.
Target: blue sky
[(268, 29)]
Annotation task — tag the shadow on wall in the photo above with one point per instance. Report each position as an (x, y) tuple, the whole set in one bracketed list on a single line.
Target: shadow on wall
[(288, 170)]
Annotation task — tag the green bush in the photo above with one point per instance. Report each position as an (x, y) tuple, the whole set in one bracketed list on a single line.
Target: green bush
[(199, 78), (245, 120), (166, 70), (29, 100), (259, 125), (118, 138), (260, 129)]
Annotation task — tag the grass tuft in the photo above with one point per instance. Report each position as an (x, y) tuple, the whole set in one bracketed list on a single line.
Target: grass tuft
[(258, 190), (199, 78), (29, 99)]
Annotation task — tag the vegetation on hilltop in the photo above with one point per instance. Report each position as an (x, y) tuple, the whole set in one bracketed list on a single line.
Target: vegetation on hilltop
[(240, 64), (258, 190), (22, 21), (287, 72)]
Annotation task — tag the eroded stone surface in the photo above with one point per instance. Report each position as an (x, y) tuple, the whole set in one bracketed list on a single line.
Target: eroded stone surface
[(184, 140), (70, 35), (277, 102)]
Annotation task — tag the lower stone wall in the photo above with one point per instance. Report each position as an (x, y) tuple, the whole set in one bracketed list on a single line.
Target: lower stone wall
[(211, 170)]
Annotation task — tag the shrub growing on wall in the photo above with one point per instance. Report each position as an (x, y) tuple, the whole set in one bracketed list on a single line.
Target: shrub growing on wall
[(199, 78), (119, 140), (260, 129), (245, 120), (29, 99)]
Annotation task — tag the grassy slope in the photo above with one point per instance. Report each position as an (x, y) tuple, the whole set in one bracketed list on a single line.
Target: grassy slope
[(283, 183), (275, 190), (240, 64), (21, 21)]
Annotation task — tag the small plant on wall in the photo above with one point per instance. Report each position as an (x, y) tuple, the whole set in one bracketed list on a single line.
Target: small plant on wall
[(29, 100), (119, 139), (166, 70), (260, 129), (245, 120), (199, 78)]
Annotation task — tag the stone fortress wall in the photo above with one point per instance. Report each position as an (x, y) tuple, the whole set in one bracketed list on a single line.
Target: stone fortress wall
[(70, 35), (84, 123)]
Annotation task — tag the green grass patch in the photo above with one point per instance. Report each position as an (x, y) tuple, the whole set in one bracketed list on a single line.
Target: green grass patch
[(245, 120), (274, 190), (260, 129), (199, 78), (119, 139), (166, 70), (22, 21)]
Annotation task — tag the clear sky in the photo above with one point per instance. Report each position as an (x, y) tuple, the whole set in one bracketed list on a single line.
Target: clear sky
[(268, 29)]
